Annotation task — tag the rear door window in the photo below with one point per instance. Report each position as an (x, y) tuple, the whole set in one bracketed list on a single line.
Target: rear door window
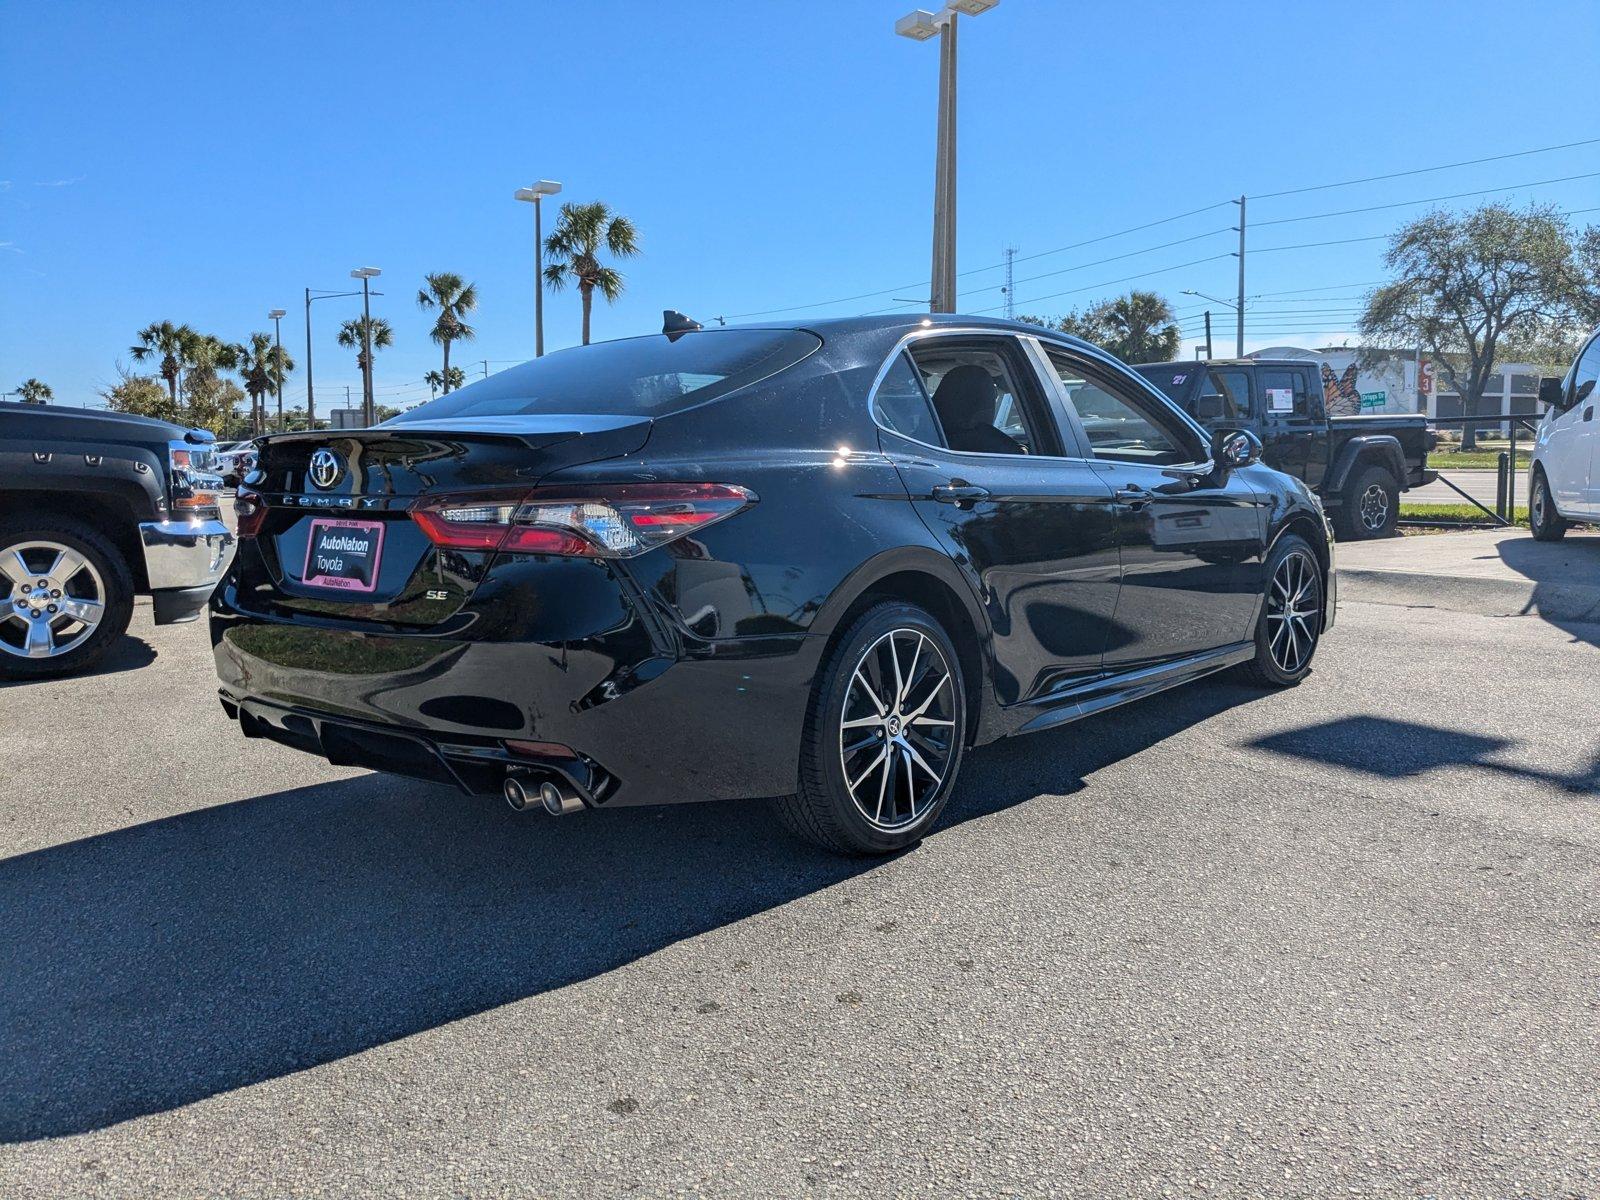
[(1232, 387), (901, 404), (1283, 393), (976, 397)]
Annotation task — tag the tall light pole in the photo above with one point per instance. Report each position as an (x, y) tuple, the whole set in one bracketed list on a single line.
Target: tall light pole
[(1239, 348), (921, 25), (276, 316), (311, 396), (369, 413), (545, 187)]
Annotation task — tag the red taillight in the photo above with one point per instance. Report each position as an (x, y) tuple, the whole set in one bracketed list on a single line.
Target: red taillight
[(596, 521), (250, 511)]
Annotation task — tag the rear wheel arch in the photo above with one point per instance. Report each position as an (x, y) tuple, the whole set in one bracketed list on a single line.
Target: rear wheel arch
[(107, 513), (1381, 450), (932, 584)]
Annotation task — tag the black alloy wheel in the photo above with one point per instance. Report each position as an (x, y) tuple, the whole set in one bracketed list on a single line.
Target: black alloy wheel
[(884, 735), (1291, 615)]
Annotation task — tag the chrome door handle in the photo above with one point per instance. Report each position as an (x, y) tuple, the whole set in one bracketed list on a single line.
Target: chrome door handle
[(1588, 413), (1133, 496), (959, 493)]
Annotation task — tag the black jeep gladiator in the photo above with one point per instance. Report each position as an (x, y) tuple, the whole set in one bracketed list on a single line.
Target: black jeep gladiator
[(94, 508), (1357, 465)]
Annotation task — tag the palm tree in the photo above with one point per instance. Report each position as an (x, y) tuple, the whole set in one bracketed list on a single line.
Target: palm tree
[(350, 337), (258, 365), (1141, 328), (574, 250), (171, 344), (454, 298), (454, 378), (33, 391)]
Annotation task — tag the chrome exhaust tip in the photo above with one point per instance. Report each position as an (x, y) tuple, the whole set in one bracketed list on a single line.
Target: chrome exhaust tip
[(518, 796), (557, 800)]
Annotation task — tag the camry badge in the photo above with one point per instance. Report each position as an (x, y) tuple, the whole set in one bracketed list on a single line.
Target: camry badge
[(327, 468)]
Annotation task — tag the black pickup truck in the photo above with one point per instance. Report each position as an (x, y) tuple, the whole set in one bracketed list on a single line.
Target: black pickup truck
[(94, 508), (1357, 465)]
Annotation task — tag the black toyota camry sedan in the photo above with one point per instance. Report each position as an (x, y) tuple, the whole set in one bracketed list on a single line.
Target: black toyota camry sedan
[(815, 563)]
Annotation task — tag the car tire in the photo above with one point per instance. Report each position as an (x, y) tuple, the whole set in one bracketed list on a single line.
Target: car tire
[(1370, 506), (883, 738), (1545, 521), (1286, 644), (38, 542)]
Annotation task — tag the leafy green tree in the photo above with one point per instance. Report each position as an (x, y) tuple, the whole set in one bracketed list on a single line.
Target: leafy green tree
[(33, 391), (1473, 286), (141, 395), (350, 337), (437, 382), (211, 402), (1137, 328), (574, 251), (454, 298)]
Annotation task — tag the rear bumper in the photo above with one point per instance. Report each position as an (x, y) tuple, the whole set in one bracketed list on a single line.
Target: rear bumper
[(183, 561), (719, 720)]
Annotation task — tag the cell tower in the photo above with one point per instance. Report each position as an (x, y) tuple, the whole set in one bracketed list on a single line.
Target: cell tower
[(1011, 292)]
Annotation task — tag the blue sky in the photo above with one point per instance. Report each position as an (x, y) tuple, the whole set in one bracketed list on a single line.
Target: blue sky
[(205, 162)]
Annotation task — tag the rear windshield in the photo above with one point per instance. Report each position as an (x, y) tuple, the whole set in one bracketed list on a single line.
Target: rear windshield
[(1176, 380), (643, 376)]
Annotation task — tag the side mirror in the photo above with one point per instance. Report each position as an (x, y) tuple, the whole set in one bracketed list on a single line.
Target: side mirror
[(1235, 448), (1208, 407), (1551, 393)]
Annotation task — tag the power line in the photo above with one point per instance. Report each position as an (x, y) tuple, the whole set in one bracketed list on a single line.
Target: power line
[(1107, 283), (1471, 162), (1106, 237), (1345, 212)]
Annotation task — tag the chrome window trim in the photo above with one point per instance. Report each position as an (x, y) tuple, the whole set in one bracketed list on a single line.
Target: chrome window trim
[(961, 331)]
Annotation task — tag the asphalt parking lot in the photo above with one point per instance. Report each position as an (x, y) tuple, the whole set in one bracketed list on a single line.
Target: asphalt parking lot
[(1341, 940)]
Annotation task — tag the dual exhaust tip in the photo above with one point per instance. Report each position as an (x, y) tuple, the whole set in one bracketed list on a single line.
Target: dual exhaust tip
[(522, 793)]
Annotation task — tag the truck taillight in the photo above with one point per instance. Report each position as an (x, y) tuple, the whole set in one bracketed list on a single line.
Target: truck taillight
[(593, 521)]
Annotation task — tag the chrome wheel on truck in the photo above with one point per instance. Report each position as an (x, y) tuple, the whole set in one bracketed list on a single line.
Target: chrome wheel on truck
[(56, 599), (65, 596)]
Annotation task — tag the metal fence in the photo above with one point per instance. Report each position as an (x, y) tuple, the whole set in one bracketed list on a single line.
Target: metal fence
[(1516, 426)]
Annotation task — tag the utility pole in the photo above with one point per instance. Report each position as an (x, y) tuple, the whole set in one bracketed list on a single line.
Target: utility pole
[(1011, 291), (485, 368), (942, 292), (1208, 333), (1239, 347)]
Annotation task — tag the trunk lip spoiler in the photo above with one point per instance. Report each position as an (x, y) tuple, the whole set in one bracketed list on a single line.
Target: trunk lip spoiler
[(503, 429)]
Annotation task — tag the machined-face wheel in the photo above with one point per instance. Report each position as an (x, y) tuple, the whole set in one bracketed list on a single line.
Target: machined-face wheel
[(1294, 611), (55, 599), (1374, 507), (897, 730)]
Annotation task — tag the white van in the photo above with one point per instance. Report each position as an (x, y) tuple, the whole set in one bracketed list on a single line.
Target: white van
[(1564, 478)]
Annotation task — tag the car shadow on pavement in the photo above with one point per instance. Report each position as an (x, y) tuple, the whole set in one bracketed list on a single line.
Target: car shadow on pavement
[(1403, 749), (1565, 576), (156, 965), (129, 654)]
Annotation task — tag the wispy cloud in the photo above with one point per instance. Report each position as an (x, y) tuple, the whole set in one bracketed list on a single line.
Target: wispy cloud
[(59, 182), (5, 185), (12, 247)]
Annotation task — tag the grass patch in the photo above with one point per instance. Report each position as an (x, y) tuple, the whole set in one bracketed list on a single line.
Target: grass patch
[(1450, 512), (1444, 459)]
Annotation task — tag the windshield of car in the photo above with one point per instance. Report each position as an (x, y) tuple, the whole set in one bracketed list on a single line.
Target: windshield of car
[(643, 376)]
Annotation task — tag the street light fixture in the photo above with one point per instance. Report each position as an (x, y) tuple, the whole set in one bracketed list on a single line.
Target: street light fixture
[(920, 26), (276, 316), (369, 414), (545, 187)]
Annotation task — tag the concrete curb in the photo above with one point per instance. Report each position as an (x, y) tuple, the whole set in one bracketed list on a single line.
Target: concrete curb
[(1470, 594)]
